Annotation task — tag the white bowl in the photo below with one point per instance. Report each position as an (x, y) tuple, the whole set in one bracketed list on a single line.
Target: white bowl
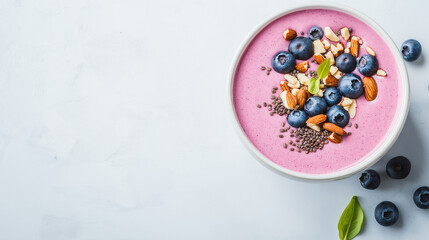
[(370, 159)]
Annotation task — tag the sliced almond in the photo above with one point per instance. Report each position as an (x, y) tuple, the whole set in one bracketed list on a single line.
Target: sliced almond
[(319, 58), (313, 126), (335, 138), (334, 50), (340, 47), (346, 102), (303, 79), (352, 108), (296, 85), (290, 79), (319, 93), (334, 128), (345, 33), (381, 73), (338, 74), (354, 46), (330, 55), (318, 47), (370, 87), (322, 86), (333, 70), (302, 66), (294, 91), (321, 118), (289, 34), (370, 51), (326, 44), (329, 34)]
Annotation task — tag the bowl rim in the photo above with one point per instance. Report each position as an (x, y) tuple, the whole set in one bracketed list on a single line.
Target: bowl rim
[(371, 159)]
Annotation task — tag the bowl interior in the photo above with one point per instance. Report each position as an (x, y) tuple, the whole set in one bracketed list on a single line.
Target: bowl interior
[(365, 161)]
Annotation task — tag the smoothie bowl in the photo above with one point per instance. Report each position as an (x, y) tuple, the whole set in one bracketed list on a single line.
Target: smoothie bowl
[(319, 92)]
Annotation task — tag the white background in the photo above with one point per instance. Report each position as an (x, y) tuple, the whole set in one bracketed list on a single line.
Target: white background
[(114, 125)]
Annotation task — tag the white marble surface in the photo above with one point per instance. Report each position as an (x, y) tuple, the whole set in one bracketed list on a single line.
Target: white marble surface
[(113, 125)]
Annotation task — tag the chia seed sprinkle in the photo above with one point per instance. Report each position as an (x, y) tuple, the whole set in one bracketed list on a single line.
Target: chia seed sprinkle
[(302, 33), (284, 145), (356, 126), (259, 106), (350, 124), (262, 68), (292, 149), (349, 133), (283, 124), (265, 104), (280, 136), (282, 130)]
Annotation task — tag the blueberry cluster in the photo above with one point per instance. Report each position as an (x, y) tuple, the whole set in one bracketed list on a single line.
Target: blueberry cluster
[(386, 213)]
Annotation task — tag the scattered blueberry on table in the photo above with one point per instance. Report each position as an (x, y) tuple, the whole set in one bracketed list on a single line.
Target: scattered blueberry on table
[(411, 50), (386, 213), (370, 179), (398, 167), (421, 197)]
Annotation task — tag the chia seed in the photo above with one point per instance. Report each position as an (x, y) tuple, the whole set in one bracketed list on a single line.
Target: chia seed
[(356, 126), (280, 136), (262, 68), (259, 106)]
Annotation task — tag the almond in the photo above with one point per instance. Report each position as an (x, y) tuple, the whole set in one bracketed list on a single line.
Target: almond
[(301, 97), (334, 128), (345, 33), (302, 66), (370, 51), (338, 75), (335, 138), (354, 46), (284, 86), (329, 34), (289, 34), (370, 87), (319, 58), (318, 47), (321, 118), (291, 101), (326, 44), (331, 81), (381, 73), (313, 126)]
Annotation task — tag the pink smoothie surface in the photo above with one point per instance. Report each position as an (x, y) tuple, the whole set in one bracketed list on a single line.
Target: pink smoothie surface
[(251, 87)]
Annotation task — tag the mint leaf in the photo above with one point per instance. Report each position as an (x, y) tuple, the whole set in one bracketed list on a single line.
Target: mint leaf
[(313, 86), (323, 69), (351, 220)]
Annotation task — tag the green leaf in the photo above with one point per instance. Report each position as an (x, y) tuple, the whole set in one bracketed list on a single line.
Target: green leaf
[(351, 220), (323, 69), (313, 86)]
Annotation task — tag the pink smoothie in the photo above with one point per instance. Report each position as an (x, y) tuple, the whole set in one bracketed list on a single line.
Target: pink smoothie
[(252, 86)]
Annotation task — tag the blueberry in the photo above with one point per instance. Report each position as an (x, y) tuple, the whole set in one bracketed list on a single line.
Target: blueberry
[(332, 96), (421, 197), (398, 167), (315, 105), (386, 213), (411, 50), (315, 33), (350, 85), (367, 65), (346, 63), (297, 118), (283, 62), (301, 48), (370, 179), (338, 116)]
